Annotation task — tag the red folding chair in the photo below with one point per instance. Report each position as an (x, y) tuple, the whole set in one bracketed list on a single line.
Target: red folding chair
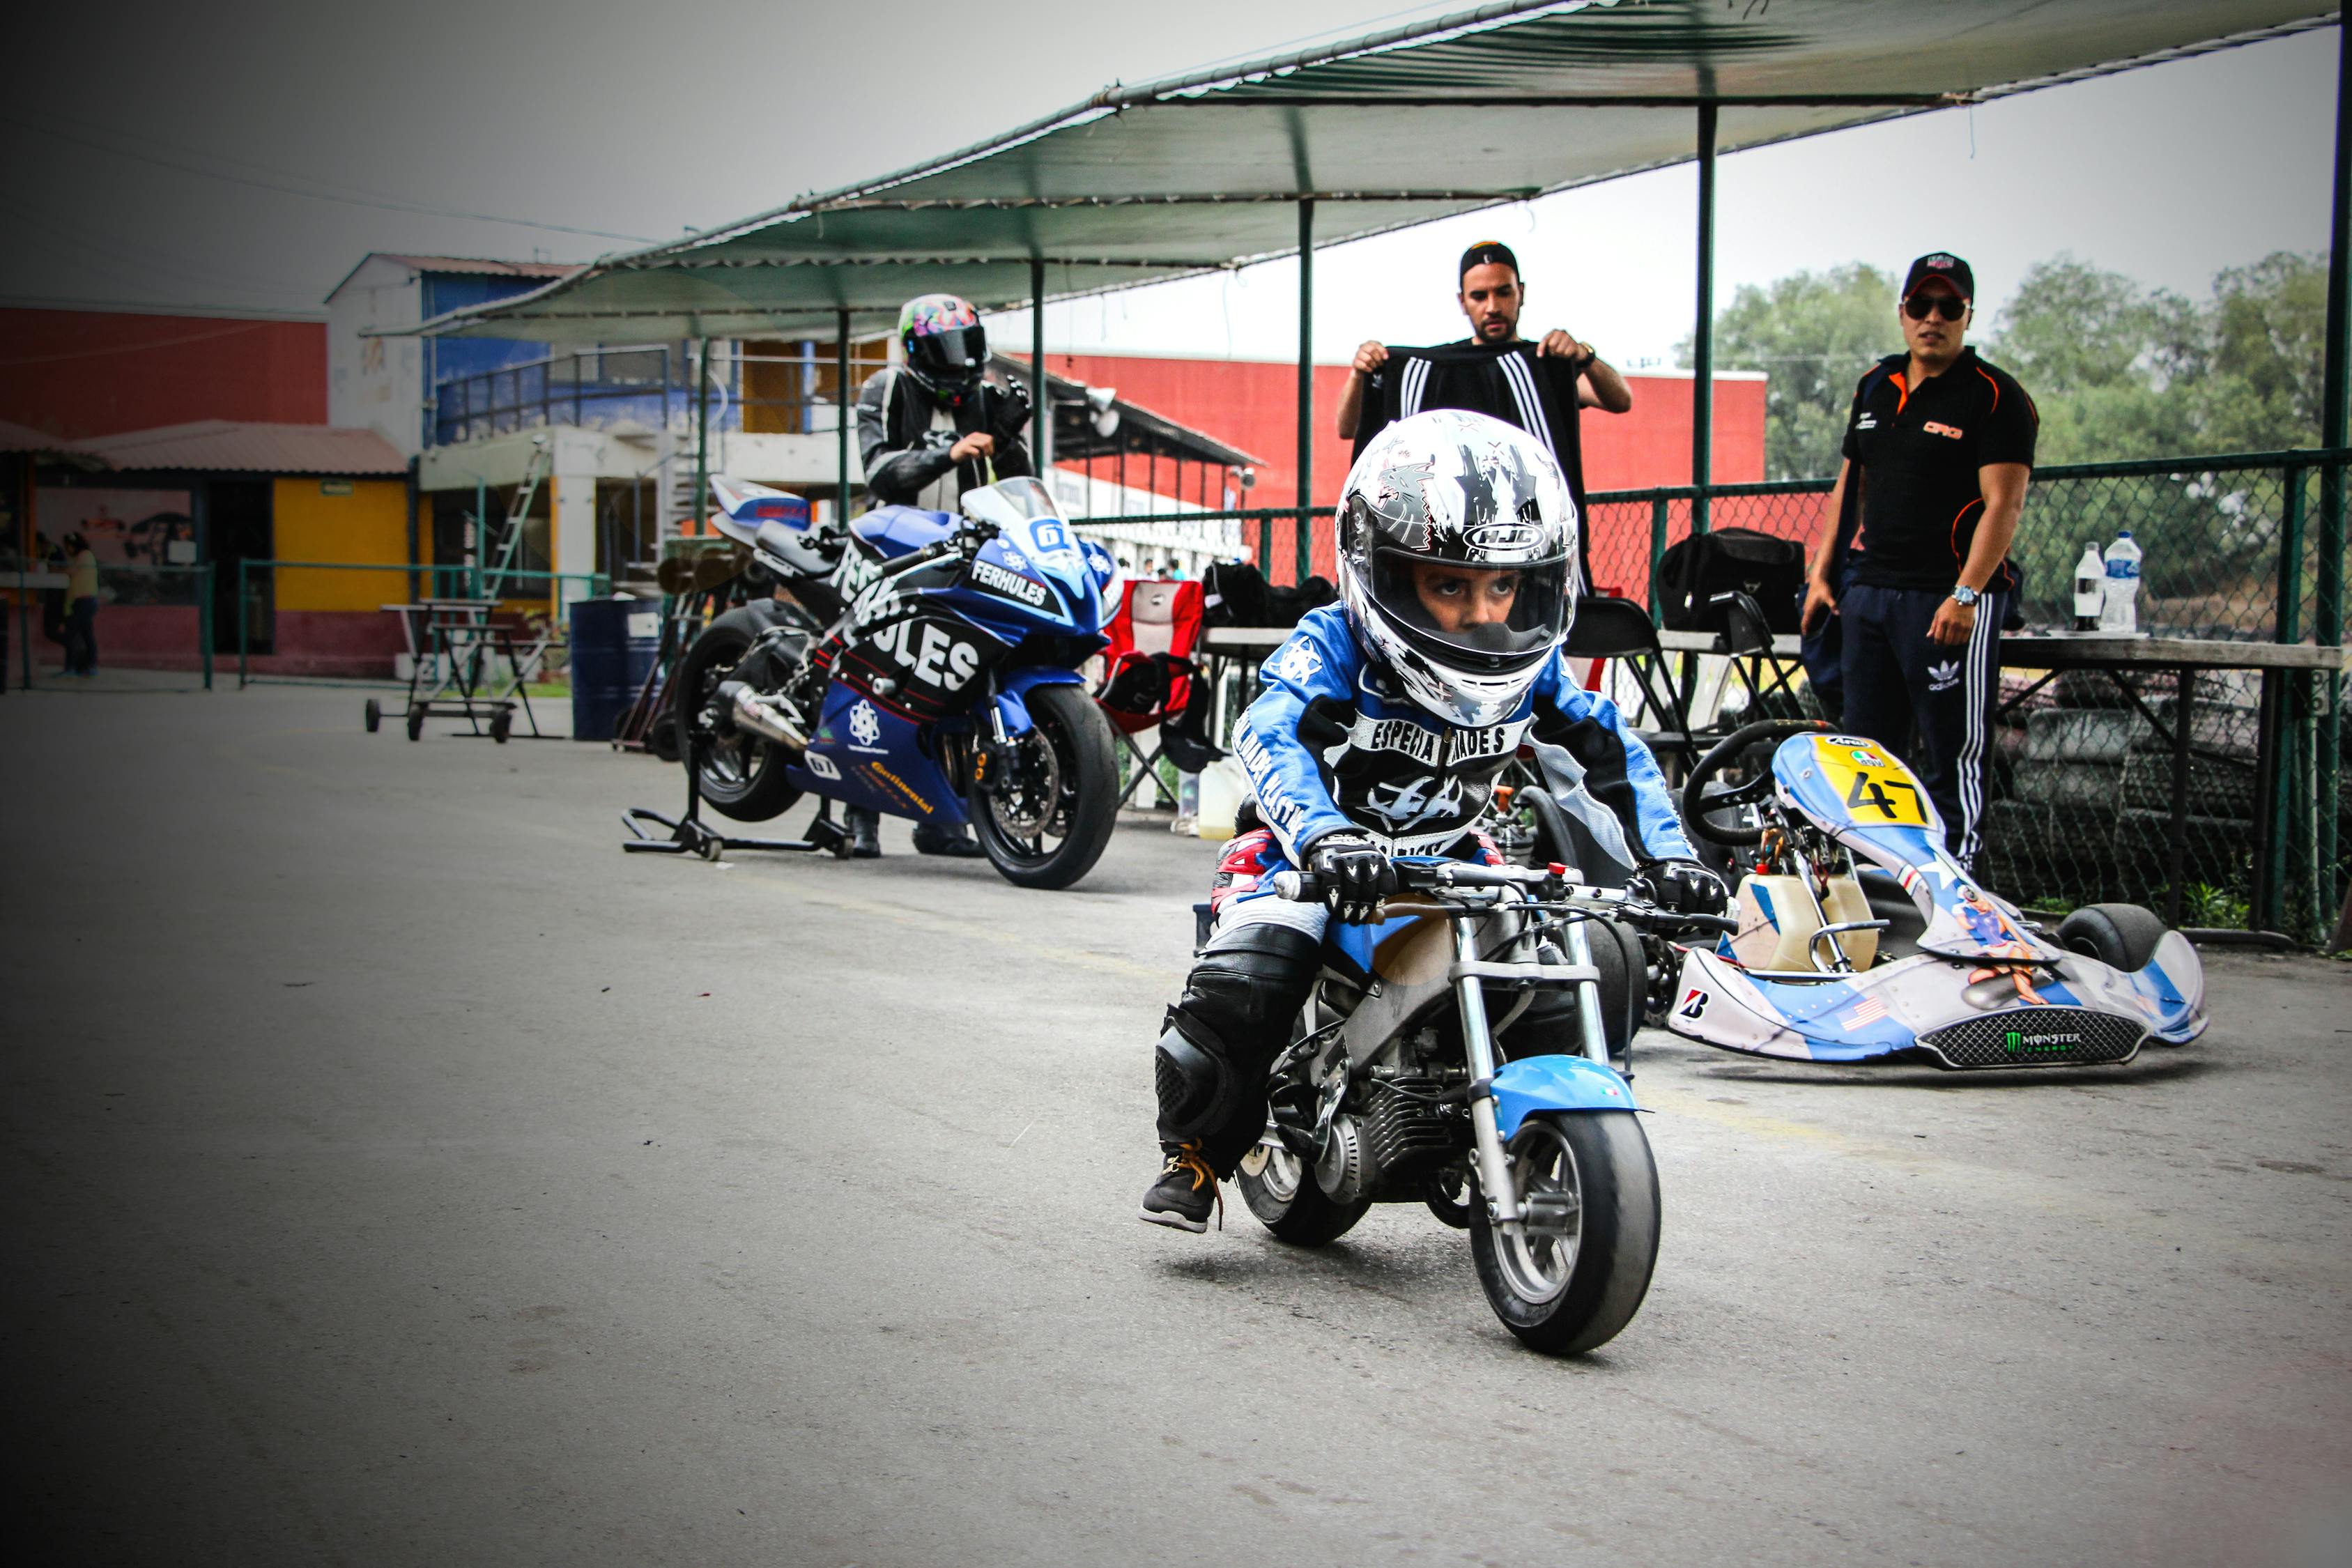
[(1150, 671)]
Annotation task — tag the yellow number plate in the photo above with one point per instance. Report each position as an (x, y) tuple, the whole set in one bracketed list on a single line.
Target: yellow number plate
[(1879, 791)]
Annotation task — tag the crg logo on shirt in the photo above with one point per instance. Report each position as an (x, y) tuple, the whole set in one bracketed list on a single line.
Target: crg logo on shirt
[(929, 651), (1012, 584), (1938, 427)]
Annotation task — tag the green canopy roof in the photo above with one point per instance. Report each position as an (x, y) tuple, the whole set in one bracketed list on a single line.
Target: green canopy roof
[(1511, 102)]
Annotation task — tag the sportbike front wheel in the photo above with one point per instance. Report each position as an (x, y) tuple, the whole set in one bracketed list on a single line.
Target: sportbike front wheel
[(1045, 809), (1573, 1272)]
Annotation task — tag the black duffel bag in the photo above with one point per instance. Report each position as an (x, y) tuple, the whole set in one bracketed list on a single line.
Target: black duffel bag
[(1769, 570), (1236, 593)]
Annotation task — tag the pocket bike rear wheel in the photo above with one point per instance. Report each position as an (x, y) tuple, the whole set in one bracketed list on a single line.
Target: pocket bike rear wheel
[(1280, 1189), (1575, 1270)]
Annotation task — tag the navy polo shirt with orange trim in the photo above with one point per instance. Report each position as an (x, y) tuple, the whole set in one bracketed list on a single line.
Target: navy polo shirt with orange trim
[(1918, 450)]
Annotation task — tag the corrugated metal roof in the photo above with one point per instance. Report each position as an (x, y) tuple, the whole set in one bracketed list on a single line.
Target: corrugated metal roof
[(250, 447), (477, 265), (1502, 104), (25, 438)]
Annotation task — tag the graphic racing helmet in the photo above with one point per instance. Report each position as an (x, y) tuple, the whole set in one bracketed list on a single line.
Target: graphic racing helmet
[(1457, 552), (946, 348)]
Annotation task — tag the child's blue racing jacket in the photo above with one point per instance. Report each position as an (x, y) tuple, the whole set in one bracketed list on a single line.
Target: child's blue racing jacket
[(1332, 744)]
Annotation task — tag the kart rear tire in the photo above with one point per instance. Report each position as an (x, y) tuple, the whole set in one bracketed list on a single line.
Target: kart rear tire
[(1283, 1195), (2121, 936), (748, 784), (1595, 1293)]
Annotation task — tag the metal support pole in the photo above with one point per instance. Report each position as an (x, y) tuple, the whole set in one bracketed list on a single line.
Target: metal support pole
[(1660, 509), (1703, 330), (2328, 584), (481, 537), (845, 413), (702, 433), (244, 622), (1037, 411), (205, 621), (1305, 389)]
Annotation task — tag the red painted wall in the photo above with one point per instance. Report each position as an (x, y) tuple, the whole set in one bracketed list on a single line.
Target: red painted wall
[(1254, 405), (98, 372)]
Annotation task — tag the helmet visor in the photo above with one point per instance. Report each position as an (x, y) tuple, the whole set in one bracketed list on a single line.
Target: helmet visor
[(1480, 617), (953, 354)]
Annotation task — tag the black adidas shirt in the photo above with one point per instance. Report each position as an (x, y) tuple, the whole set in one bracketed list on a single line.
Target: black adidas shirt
[(1918, 450)]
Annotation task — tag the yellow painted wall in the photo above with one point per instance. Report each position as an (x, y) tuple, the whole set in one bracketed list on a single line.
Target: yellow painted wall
[(370, 524)]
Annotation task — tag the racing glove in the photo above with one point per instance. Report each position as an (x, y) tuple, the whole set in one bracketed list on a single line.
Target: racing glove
[(1686, 887), (1355, 874)]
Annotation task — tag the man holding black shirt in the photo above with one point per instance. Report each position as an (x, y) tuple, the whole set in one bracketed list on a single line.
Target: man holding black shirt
[(1938, 449), (1540, 386)]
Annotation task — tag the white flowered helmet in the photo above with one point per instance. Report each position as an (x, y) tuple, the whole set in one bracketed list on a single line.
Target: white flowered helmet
[(1450, 488)]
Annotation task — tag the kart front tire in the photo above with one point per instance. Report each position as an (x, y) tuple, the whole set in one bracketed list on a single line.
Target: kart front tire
[(2121, 936)]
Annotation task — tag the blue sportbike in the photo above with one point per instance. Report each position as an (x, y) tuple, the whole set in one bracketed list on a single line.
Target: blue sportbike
[(927, 666)]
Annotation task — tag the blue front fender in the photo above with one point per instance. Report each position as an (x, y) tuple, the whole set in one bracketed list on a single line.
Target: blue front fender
[(1016, 685), (1533, 1085)]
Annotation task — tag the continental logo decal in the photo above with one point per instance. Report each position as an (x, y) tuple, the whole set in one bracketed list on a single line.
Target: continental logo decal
[(903, 787)]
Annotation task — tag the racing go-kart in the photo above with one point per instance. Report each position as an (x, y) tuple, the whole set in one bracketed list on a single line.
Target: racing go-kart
[(1931, 967)]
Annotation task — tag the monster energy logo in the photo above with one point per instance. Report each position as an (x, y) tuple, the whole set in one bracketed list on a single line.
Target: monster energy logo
[(2017, 1042)]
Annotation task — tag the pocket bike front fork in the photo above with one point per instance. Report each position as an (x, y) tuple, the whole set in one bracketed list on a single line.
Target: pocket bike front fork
[(1478, 1045)]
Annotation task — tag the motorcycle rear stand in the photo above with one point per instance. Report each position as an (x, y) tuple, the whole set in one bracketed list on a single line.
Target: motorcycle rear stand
[(690, 835)]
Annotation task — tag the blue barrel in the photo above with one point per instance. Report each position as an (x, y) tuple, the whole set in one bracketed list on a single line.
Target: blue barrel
[(614, 643)]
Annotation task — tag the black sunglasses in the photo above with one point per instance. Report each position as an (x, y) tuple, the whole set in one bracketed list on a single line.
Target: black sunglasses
[(1951, 306)]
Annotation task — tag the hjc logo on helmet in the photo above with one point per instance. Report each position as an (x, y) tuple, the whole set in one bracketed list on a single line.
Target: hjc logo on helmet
[(1499, 537)]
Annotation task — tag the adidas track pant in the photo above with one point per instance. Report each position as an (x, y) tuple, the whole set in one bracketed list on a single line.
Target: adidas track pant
[(1931, 702)]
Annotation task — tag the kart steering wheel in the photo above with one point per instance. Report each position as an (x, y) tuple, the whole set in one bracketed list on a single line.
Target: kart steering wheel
[(1698, 801)]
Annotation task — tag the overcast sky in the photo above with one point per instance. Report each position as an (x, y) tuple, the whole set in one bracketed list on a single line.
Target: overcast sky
[(244, 153)]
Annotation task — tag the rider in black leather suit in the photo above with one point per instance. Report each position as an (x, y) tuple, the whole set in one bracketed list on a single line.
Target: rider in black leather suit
[(930, 430)]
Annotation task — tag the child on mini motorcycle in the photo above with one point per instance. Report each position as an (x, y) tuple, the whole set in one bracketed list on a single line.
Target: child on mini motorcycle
[(1383, 723)]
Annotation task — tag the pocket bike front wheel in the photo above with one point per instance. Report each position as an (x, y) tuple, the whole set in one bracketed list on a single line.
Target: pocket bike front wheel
[(1574, 1271)]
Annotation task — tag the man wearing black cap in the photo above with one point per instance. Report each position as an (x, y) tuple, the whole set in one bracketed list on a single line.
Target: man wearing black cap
[(1538, 386), (1915, 565)]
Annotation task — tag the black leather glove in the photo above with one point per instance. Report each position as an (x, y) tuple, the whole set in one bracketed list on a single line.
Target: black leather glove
[(1356, 877), (1684, 887)]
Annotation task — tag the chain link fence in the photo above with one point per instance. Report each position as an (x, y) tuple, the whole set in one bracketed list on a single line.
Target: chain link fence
[(2237, 548)]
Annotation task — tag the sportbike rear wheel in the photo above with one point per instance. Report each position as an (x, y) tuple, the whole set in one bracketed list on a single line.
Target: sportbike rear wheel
[(1045, 811), (742, 774), (1573, 1272)]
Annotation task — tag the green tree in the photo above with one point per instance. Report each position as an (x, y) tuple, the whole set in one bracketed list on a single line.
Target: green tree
[(2269, 327), (1813, 334), (2116, 370)]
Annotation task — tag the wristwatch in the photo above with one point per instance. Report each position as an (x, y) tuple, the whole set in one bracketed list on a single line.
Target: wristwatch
[(1964, 596)]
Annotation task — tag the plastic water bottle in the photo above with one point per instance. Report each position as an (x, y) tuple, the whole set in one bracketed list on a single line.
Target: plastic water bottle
[(2090, 589), (2120, 612)]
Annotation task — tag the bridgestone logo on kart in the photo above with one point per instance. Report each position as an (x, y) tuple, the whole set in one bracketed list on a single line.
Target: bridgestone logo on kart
[(1012, 584)]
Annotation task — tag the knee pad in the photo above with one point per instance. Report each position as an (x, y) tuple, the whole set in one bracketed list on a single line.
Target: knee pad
[(1195, 1089)]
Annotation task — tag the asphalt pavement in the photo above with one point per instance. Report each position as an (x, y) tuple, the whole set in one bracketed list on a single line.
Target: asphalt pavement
[(398, 1173)]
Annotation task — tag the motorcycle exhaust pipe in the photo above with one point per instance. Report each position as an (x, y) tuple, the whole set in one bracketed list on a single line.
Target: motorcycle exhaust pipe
[(757, 713)]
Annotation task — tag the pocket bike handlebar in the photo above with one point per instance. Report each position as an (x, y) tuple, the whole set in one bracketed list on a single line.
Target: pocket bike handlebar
[(1543, 884)]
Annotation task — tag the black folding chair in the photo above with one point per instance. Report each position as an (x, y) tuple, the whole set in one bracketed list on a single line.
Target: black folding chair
[(1608, 627), (1747, 637)]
